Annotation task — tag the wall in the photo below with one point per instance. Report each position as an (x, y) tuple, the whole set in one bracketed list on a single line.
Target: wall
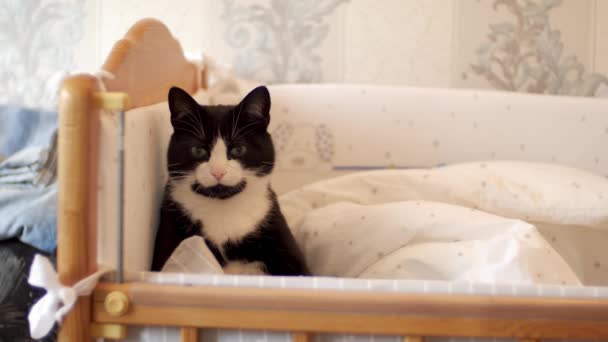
[(547, 46)]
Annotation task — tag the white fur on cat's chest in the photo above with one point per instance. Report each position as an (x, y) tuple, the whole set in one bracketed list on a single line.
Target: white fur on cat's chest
[(227, 219)]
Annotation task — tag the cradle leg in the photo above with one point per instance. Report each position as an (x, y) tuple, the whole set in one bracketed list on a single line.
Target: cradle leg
[(301, 337), (189, 334)]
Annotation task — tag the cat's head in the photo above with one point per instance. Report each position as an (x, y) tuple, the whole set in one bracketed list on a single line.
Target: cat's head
[(219, 150)]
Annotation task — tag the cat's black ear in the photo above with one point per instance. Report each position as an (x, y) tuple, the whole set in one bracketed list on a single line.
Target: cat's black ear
[(181, 105), (257, 104)]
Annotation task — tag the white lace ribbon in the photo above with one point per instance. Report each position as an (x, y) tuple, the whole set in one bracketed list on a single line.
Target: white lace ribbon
[(58, 299)]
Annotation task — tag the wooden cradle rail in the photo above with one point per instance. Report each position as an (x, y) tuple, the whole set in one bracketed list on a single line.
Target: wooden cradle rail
[(145, 64), (306, 312)]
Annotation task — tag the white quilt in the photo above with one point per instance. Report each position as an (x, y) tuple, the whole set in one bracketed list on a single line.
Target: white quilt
[(499, 222)]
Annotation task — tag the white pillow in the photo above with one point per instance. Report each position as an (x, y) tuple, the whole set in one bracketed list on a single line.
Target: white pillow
[(528, 191), (430, 241), (569, 206)]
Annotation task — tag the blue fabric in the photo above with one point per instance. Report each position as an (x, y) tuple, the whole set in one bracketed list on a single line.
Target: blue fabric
[(27, 210), (25, 127)]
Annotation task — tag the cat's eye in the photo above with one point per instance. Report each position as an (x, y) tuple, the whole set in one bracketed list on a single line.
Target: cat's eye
[(238, 151), (198, 152)]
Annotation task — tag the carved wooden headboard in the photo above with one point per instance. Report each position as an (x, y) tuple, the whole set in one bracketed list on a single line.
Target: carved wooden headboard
[(147, 62)]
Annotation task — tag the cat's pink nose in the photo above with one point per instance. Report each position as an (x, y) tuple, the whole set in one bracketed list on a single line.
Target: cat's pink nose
[(218, 174)]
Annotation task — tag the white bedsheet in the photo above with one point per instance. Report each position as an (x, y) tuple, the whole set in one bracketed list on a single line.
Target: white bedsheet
[(427, 240), (476, 222), (492, 222)]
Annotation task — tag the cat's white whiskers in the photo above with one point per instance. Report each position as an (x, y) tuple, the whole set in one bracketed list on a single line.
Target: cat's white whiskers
[(178, 178), (241, 132), (179, 173), (194, 127), (191, 132), (175, 175), (235, 122), (199, 122), (197, 130)]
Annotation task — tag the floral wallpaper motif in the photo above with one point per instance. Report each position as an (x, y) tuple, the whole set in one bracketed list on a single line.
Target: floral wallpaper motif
[(38, 39), (305, 41), (526, 54), (278, 42)]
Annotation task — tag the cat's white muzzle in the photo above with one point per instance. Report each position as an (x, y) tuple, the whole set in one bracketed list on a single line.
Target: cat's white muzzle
[(207, 174)]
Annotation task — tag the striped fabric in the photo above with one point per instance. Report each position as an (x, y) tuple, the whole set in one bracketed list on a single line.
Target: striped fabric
[(371, 285)]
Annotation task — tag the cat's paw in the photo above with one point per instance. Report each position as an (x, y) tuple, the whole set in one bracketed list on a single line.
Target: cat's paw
[(245, 268)]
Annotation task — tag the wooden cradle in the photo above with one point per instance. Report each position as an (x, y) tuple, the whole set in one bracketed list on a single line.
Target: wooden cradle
[(145, 64)]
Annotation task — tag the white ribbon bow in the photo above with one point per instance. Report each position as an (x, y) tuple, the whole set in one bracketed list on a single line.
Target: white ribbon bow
[(58, 299)]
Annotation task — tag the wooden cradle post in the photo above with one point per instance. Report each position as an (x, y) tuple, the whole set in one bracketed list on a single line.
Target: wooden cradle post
[(77, 200)]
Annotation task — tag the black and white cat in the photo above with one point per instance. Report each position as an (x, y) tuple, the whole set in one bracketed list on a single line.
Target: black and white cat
[(219, 160)]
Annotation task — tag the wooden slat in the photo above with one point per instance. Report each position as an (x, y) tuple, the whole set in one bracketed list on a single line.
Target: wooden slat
[(109, 331), (360, 302), (147, 62), (76, 207), (331, 322), (413, 339), (301, 337), (189, 334)]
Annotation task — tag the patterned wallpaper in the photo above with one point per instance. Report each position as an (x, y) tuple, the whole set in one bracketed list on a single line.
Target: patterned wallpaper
[(38, 39), (542, 46), (525, 53), (530, 48), (278, 41)]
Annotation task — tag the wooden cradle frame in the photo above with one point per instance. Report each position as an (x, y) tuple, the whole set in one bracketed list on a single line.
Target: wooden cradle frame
[(145, 64)]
